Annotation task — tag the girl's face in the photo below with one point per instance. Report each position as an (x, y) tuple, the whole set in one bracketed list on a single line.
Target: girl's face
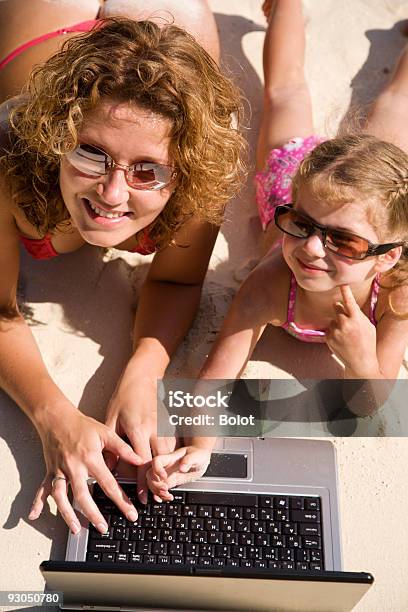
[(127, 134), (317, 268)]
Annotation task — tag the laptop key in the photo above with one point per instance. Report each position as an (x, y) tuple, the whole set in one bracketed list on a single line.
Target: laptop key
[(265, 501), (93, 556), (122, 558), (143, 547), (183, 535), (214, 537), (206, 561), (189, 510), (191, 550), (222, 551), (177, 560), (226, 499), (316, 566), (219, 561), (137, 558), (204, 511), (235, 513), (312, 503), (127, 547), (287, 565), (304, 567), (305, 516), (159, 548), (175, 549), (108, 557), (309, 530), (281, 502), (207, 550), (246, 563), (121, 534), (289, 529), (220, 512), (151, 559), (312, 542), (230, 538), (296, 503), (302, 555), (191, 560), (261, 564), (315, 555), (270, 553), (287, 554), (246, 539), (163, 560), (232, 563), (227, 525), (103, 546), (179, 497), (274, 565)]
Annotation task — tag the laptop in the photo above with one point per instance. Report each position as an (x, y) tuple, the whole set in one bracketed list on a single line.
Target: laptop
[(260, 531)]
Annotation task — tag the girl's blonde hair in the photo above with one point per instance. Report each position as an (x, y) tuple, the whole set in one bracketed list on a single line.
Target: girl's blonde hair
[(361, 167), (163, 70)]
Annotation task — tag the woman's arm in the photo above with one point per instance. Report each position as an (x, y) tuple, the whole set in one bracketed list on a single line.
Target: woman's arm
[(168, 303), (72, 442)]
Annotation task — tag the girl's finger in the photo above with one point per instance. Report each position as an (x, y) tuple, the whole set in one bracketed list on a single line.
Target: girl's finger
[(349, 301)]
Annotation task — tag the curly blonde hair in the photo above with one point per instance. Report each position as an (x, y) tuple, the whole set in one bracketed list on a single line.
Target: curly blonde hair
[(360, 167), (163, 70)]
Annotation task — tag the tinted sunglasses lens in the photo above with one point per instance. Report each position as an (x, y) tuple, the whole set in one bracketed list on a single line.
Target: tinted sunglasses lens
[(88, 160), (347, 245), (154, 176), (294, 224)]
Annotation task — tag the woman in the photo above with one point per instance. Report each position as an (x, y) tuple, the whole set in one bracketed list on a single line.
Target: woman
[(124, 138)]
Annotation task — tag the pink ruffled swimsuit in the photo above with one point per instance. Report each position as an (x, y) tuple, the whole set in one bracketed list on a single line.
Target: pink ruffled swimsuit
[(314, 335)]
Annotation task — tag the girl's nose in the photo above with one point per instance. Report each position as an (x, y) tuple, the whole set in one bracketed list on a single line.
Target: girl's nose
[(314, 245), (113, 188)]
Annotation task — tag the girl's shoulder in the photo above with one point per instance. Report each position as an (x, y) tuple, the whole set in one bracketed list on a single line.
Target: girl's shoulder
[(266, 289)]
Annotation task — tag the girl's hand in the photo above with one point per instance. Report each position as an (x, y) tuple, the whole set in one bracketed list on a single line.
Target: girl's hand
[(133, 413), (73, 446), (171, 470), (353, 338)]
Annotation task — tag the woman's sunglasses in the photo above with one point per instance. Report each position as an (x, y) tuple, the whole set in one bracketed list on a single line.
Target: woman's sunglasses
[(143, 175), (337, 241)]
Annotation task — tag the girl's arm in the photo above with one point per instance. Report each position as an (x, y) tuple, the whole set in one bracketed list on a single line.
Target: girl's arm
[(251, 309), (72, 442), (370, 354)]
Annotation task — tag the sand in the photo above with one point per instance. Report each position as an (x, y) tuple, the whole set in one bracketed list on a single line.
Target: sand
[(81, 306)]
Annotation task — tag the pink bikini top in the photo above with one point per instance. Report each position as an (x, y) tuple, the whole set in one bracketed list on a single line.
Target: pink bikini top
[(84, 26), (314, 335), (42, 248)]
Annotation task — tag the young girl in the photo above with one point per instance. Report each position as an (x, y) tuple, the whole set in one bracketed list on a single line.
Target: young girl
[(339, 273), (122, 139)]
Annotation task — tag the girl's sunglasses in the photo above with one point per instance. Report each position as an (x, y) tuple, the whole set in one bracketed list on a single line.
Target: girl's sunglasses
[(143, 175), (339, 242)]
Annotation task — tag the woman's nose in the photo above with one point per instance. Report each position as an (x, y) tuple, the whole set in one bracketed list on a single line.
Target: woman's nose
[(113, 188)]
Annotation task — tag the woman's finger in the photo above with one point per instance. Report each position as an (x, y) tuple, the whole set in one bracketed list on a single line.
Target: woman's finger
[(40, 498), (60, 494)]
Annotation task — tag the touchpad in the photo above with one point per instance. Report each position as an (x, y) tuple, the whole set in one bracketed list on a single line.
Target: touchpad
[(227, 465)]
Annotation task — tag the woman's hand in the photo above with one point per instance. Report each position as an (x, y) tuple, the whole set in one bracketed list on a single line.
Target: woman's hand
[(73, 445), (183, 465), (133, 413), (353, 338)]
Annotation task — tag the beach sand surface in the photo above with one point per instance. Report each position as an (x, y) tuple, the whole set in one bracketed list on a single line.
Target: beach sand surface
[(81, 307)]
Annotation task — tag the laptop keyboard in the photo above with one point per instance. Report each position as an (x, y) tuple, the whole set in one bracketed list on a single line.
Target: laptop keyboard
[(207, 529)]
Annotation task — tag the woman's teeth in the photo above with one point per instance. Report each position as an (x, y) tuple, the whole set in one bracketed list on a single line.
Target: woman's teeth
[(103, 213)]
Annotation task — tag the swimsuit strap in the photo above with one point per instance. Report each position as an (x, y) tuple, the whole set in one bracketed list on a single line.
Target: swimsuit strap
[(84, 26), (375, 288), (290, 317), (308, 335)]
